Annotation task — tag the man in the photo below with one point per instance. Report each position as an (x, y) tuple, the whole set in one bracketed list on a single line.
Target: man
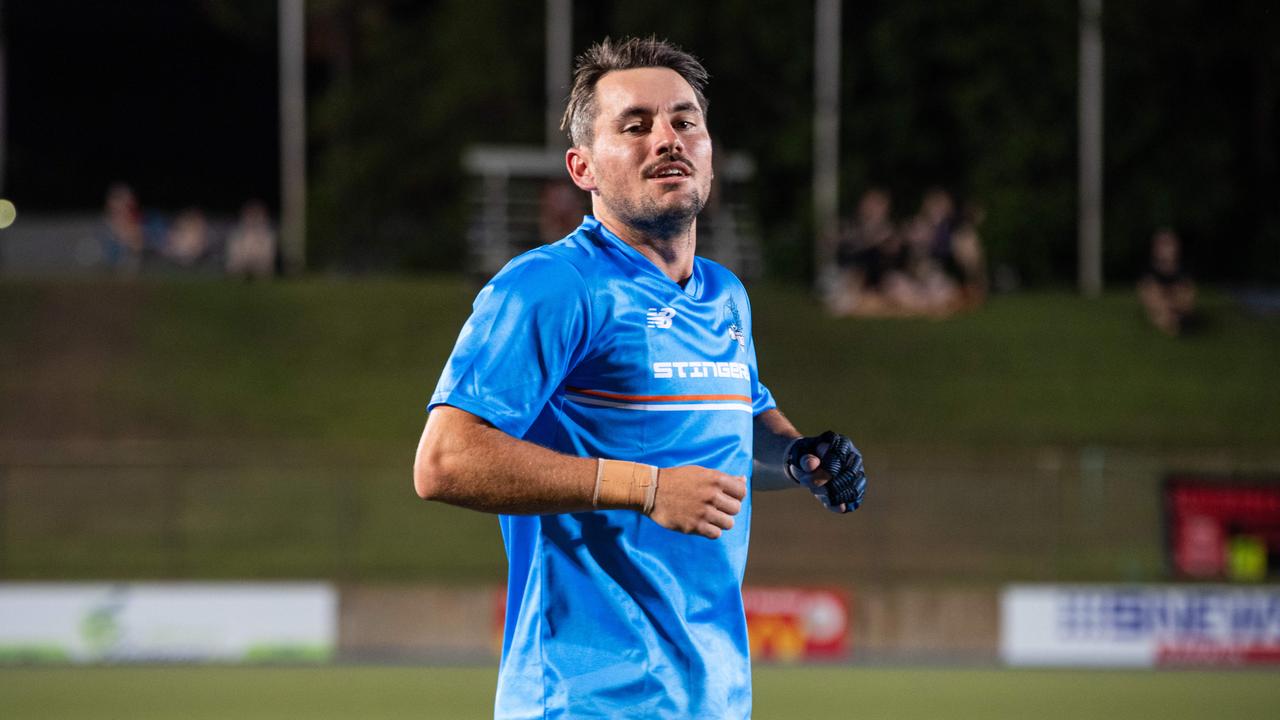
[(1167, 292), (603, 399)]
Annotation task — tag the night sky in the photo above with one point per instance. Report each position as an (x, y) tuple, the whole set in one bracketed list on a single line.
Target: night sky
[(149, 92)]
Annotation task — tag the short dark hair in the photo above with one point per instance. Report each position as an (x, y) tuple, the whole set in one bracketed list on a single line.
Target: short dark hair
[(607, 56)]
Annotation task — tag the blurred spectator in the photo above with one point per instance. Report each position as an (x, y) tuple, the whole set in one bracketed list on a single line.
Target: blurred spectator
[(560, 210), (928, 266), (251, 246), (188, 242), (121, 236), (869, 260), (967, 262), (937, 213), (1167, 291), (926, 288), (930, 291)]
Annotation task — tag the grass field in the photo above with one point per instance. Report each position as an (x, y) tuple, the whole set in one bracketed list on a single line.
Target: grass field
[(207, 430), (351, 365), (169, 428), (370, 693)]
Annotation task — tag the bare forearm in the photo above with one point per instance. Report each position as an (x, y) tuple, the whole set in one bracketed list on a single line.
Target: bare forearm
[(474, 465), (463, 460), (773, 432)]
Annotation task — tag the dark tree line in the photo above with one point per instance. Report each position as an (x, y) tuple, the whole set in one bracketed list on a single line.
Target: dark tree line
[(977, 96)]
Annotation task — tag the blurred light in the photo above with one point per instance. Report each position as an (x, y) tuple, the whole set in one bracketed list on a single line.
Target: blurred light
[(8, 213)]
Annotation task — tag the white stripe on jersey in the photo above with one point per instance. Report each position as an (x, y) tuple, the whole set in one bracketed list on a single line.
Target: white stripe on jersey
[(659, 407)]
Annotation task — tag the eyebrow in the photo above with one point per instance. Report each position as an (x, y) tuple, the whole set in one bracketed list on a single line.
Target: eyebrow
[(643, 111)]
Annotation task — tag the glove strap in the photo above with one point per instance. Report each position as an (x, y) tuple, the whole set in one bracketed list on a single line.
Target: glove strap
[(786, 461), (625, 485)]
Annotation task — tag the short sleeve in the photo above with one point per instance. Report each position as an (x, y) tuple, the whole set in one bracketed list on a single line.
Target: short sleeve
[(761, 399), (527, 330)]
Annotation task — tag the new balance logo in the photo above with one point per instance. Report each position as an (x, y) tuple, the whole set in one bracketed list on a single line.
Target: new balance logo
[(660, 318)]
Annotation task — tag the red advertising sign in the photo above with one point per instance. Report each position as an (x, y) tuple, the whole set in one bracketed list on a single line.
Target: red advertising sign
[(792, 624), (1219, 655), (1223, 528), (783, 623)]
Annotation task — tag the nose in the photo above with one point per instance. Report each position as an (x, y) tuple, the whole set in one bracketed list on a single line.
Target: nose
[(667, 139)]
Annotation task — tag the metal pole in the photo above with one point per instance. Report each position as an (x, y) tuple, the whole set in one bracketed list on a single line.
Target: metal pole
[(4, 110), (826, 138), (559, 66), (1090, 122), (293, 136)]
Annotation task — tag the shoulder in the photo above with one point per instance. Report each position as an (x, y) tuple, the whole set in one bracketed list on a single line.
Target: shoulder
[(581, 252), (543, 268), (544, 283), (719, 279), (714, 271)]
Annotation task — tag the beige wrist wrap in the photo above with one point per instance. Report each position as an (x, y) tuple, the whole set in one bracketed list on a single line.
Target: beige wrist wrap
[(622, 484)]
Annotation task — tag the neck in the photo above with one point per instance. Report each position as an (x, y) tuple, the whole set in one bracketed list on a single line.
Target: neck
[(672, 254)]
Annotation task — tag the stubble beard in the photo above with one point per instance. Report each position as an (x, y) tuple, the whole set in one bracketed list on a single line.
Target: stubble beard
[(647, 217)]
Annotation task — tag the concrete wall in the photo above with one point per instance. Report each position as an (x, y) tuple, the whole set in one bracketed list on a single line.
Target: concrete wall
[(411, 622), (890, 624)]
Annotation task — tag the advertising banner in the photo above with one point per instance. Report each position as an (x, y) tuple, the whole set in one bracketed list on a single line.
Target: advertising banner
[(784, 624), (1141, 626), (792, 624), (1223, 528), (167, 622)]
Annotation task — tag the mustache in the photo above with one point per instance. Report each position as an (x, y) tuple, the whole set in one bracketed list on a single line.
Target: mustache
[(669, 158)]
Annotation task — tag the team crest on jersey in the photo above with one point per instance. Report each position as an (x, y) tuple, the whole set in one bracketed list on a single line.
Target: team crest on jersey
[(735, 324), (660, 318)]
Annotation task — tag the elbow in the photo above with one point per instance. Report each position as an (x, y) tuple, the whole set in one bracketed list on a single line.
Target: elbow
[(429, 479), (430, 471), (441, 467)]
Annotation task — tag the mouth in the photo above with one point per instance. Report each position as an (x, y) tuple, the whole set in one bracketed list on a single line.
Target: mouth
[(669, 172)]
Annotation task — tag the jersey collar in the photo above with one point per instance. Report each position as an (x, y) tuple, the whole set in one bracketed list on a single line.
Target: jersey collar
[(692, 288)]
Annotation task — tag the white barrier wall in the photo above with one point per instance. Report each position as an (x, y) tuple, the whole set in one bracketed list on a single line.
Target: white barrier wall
[(1141, 626), (180, 622)]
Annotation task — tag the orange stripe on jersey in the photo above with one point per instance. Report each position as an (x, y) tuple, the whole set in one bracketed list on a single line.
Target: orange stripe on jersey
[(659, 398)]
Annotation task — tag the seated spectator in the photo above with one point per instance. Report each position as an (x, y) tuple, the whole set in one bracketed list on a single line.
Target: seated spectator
[(188, 244), (937, 213), (1168, 294), (928, 238), (869, 260), (929, 266), (967, 263), (121, 236), (947, 265), (251, 246)]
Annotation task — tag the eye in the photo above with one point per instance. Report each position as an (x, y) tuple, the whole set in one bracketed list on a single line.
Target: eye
[(633, 129), (683, 125)]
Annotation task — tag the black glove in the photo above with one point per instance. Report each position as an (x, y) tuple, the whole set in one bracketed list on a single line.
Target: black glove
[(841, 461)]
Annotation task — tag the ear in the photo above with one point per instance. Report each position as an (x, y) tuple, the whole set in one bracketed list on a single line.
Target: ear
[(578, 161)]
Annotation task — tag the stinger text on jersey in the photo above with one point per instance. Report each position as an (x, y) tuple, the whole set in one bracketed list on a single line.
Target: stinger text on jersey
[(701, 369)]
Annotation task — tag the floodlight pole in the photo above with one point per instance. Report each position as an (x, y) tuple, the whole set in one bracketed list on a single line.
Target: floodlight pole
[(826, 139), (293, 136), (4, 96), (1090, 148), (558, 69)]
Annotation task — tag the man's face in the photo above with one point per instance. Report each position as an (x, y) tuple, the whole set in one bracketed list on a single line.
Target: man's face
[(649, 164)]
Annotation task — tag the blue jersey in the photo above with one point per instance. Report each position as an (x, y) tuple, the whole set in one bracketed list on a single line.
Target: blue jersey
[(587, 348)]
